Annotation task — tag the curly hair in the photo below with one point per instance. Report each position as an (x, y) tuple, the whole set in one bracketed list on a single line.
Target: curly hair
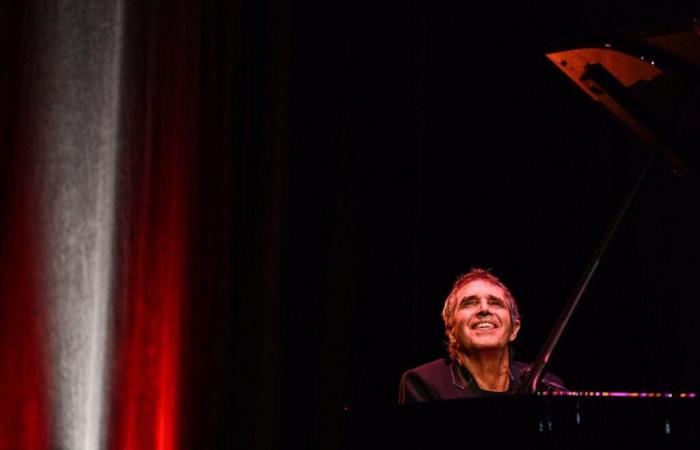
[(448, 310)]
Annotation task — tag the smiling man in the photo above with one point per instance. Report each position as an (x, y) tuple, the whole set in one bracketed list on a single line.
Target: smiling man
[(481, 320)]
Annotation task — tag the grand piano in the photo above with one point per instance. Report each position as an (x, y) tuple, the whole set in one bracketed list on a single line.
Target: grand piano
[(650, 81)]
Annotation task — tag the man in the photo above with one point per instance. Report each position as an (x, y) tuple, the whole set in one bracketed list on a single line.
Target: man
[(481, 321)]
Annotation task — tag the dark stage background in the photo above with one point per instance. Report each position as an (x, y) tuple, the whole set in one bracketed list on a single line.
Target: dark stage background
[(430, 138), (346, 161)]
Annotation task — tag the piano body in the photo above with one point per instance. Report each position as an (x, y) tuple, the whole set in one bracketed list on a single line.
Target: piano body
[(650, 80), (586, 420)]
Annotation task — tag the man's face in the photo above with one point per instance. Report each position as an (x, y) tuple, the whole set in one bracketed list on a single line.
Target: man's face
[(482, 318)]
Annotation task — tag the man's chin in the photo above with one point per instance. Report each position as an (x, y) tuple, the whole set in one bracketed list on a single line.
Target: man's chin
[(485, 345)]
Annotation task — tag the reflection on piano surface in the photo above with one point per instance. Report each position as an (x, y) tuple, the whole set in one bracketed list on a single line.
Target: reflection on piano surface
[(617, 394)]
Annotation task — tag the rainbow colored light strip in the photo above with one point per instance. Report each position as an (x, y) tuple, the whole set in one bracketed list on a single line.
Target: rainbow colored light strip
[(615, 394)]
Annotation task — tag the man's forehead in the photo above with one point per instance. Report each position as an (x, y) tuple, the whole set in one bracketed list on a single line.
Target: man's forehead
[(480, 288)]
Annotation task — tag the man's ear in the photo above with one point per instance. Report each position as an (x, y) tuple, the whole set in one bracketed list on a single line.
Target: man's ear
[(514, 331), (451, 335)]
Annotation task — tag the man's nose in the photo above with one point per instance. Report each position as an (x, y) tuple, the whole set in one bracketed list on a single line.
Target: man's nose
[(483, 307)]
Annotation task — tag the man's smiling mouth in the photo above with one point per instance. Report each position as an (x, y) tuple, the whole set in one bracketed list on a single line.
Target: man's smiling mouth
[(484, 326)]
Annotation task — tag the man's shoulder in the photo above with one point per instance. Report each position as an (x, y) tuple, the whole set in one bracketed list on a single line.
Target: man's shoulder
[(430, 381), (518, 368), (433, 367), (550, 381)]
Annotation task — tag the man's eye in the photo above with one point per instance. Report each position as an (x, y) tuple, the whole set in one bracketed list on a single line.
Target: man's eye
[(496, 302), (467, 302)]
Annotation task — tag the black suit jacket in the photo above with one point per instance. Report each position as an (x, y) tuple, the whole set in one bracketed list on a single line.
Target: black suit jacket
[(446, 379)]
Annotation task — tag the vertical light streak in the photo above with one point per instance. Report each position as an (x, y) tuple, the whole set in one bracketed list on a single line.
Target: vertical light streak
[(24, 420), (171, 290), (78, 164), (174, 289), (76, 110), (153, 283), (154, 202)]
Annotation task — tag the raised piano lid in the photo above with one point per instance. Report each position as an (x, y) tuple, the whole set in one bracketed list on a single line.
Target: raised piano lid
[(650, 80)]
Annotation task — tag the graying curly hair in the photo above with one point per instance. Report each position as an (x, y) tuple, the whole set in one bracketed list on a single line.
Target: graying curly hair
[(448, 310)]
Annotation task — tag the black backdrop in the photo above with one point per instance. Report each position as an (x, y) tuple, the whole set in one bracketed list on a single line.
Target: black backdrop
[(425, 139)]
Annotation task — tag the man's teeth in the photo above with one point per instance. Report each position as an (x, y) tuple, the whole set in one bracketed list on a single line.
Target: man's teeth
[(485, 325)]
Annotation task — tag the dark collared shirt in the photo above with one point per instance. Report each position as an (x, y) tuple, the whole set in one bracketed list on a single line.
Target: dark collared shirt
[(446, 379)]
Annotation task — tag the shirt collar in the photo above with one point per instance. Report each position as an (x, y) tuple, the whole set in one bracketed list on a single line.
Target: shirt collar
[(462, 378)]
